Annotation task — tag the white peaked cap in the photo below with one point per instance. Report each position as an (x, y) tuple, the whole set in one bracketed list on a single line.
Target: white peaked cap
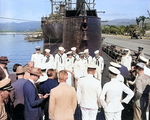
[(96, 52), (114, 70), (70, 52), (81, 53), (140, 64), (116, 65), (61, 49), (143, 59), (37, 47), (73, 48), (47, 50), (86, 50), (91, 66)]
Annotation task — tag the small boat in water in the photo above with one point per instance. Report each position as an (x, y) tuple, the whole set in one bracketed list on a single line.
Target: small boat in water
[(32, 37)]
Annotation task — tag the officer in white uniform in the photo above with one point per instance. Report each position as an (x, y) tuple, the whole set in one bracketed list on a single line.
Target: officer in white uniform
[(75, 55), (88, 94), (99, 61), (80, 68), (49, 60), (87, 56), (119, 76), (126, 59), (37, 57), (111, 96), (145, 61), (69, 68), (60, 59)]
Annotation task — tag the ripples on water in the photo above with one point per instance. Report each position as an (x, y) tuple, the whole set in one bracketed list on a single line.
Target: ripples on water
[(17, 49)]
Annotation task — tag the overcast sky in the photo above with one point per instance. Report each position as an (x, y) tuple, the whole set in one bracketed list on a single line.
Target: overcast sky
[(34, 9)]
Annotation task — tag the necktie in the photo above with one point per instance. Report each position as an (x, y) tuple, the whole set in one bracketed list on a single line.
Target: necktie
[(87, 59), (60, 58), (97, 61), (74, 59), (47, 59)]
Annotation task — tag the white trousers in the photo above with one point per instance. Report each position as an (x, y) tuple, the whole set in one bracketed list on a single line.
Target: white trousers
[(88, 114), (113, 115)]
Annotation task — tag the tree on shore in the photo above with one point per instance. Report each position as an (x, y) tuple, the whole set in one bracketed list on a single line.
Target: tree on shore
[(142, 18), (138, 21)]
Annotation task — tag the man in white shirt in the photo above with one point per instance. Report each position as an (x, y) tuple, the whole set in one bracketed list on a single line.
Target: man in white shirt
[(69, 68), (99, 61), (88, 94), (49, 60), (119, 76), (87, 56), (37, 57), (60, 59), (126, 59), (80, 68), (75, 55), (111, 96)]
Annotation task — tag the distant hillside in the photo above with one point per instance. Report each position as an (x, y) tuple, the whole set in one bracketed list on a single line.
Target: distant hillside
[(19, 27), (119, 22), (32, 26)]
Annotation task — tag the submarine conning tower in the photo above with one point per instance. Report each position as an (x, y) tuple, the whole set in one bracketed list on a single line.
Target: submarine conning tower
[(72, 33)]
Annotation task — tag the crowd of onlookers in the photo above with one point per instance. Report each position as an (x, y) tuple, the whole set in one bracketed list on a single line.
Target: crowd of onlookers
[(50, 87)]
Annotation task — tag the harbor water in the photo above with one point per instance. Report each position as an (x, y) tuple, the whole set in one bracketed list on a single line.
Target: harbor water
[(17, 49)]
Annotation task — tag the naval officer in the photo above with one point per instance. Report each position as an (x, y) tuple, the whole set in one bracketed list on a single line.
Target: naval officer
[(75, 55), (49, 59), (37, 57), (87, 56), (88, 94), (69, 68), (111, 96), (60, 59), (119, 76), (80, 68), (126, 59), (99, 61)]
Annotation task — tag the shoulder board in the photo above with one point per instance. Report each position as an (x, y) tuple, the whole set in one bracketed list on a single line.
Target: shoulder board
[(34, 53)]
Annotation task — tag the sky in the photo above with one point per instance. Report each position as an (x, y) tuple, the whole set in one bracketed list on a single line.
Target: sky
[(33, 10)]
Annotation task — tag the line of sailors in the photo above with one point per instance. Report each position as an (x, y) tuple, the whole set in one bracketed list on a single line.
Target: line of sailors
[(73, 63), (90, 94)]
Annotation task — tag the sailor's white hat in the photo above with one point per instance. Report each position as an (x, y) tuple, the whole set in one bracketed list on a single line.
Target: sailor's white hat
[(69, 53), (47, 50), (91, 66), (73, 48), (116, 65), (61, 49), (38, 48), (140, 65), (81, 53), (113, 70), (96, 52), (143, 59), (86, 51)]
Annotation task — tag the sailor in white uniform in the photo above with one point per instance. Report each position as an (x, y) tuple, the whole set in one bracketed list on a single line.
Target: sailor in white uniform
[(88, 94), (126, 59), (60, 59), (111, 96), (99, 61), (75, 55), (80, 68), (87, 56), (69, 68), (145, 61), (119, 76), (37, 57), (49, 60)]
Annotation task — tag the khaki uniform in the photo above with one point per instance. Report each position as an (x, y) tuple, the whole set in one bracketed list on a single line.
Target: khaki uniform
[(100, 67), (141, 97)]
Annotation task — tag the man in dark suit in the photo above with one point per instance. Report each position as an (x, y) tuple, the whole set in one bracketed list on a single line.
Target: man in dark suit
[(45, 87), (32, 101)]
